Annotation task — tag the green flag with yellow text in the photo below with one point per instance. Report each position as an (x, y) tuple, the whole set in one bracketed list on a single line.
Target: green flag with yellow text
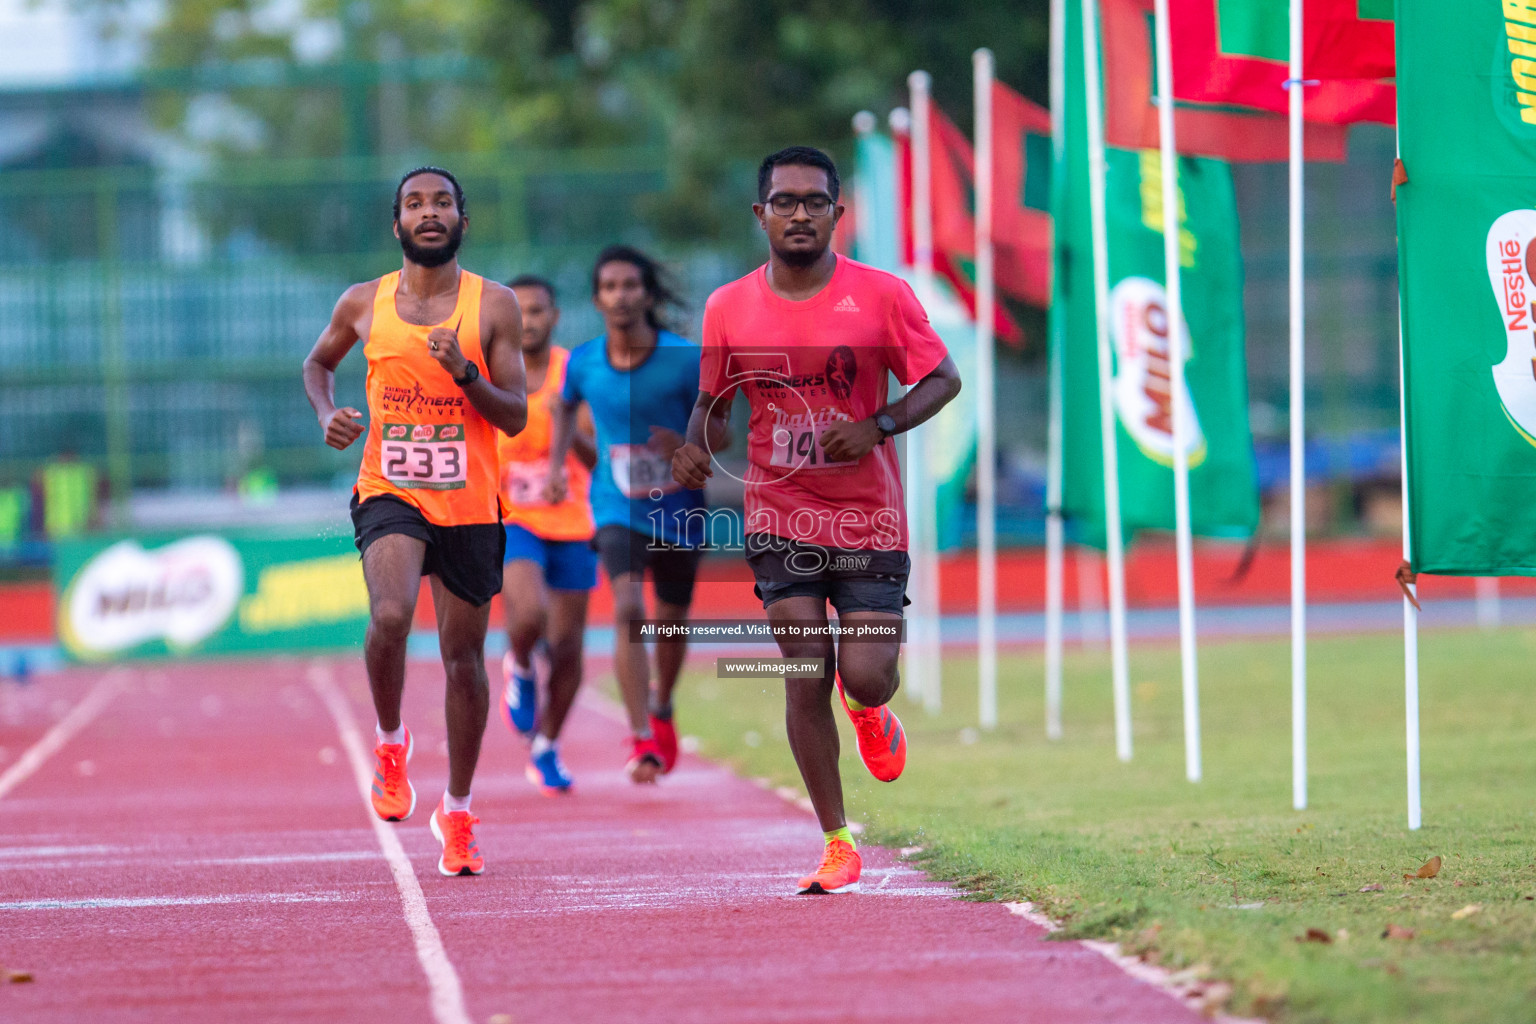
[(1223, 478), (1467, 267)]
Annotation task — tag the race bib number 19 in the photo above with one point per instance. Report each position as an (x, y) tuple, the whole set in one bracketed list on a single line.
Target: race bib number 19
[(797, 444), (424, 455), (638, 471)]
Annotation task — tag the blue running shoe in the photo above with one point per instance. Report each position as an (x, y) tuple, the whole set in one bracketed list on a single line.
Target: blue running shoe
[(546, 772), (519, 699)]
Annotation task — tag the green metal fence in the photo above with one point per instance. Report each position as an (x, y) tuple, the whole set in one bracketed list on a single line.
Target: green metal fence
[(155, 324)]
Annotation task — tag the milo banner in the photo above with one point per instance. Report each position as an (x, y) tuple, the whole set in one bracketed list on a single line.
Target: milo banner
[(1467, 266), (208, 593), (1223, 479)]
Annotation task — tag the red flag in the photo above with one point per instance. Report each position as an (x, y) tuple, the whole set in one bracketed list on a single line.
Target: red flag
[(1234, 55), (951, 190), (1202, 128), (1021, 236)]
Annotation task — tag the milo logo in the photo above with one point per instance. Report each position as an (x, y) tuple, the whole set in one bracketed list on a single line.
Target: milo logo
[(1510, 255), (449, 433), (1514, 67), (1143, 385), (422, 432), (395, 431)]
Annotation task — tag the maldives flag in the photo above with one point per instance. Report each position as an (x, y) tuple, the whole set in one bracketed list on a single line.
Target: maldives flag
[(1238, 52), (1202, 128), (1021, 228)]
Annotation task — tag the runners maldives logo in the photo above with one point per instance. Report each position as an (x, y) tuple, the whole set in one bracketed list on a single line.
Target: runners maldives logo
[(1143, 386), (1511, 253), (181, 593), (414, 399)]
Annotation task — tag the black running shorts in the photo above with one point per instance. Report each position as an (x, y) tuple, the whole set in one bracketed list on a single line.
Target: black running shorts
[(853, 580), (466, 558), (673, 569)]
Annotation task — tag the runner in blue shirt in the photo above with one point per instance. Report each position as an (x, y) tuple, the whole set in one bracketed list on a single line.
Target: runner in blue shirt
[(640, 381)]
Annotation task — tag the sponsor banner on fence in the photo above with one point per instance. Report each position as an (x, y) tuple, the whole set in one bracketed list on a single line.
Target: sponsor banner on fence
[(1467, 266), (207, 593)]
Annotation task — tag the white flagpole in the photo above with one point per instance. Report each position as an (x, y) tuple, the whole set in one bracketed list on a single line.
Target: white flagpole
[(900, 121), (1298, 429), (1410, 613), (1055, 535), (1489, 612), (920, 469), (1410, 616), (1183, 538), (1115, 543), (986, 413)]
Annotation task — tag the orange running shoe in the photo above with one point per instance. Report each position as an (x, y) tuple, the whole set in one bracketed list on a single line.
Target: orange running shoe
[(394, 798), (882, 740), (838, 872), (456, 831), (645, 762), (666, 742)]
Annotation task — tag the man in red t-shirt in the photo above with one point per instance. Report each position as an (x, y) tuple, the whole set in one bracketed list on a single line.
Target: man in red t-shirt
[(810, 338)]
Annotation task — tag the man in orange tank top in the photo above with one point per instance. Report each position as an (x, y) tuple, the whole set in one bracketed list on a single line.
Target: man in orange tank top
[(445, 376), (550, 564)]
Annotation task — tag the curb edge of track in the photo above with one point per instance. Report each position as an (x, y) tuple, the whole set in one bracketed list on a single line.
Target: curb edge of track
[(1188, 990)]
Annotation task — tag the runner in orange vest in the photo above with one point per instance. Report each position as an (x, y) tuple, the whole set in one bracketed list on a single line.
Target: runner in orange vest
[(550, 564), (445, 375)]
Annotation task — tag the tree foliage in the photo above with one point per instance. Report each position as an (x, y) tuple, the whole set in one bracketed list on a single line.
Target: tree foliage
[(718, 83)]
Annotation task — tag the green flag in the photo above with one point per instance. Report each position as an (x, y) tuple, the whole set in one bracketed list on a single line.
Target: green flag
[(1467, 265), (1223, 478)]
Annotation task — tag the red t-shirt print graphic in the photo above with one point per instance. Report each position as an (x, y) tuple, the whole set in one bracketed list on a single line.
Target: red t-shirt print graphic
[(803, 366), (842, 369)]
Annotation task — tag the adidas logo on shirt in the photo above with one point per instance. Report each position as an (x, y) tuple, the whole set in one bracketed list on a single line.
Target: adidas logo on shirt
[(846, 305)]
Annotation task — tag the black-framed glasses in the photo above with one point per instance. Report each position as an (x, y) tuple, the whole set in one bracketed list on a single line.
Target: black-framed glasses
[(817, 204)]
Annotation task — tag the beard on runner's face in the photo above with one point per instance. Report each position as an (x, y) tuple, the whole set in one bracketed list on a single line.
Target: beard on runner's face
[(793, 249), (433, 255)]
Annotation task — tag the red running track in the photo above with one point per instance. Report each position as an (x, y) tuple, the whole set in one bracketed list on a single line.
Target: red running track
[(195, 847)]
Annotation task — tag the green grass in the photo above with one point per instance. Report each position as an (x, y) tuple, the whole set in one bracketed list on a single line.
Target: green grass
[(1133, 852)]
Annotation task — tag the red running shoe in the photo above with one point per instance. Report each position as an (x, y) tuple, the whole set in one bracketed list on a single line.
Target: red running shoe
[(645, 762), (838, 872), (393, 796), (456, 831), (882, 740), (666, 742)]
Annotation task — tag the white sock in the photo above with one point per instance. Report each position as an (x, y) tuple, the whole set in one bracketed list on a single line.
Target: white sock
[(452, 803), (541, 743), (397, 737)]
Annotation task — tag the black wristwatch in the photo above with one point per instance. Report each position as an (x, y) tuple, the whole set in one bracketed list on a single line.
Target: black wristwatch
[(886, 424), (471, 374)]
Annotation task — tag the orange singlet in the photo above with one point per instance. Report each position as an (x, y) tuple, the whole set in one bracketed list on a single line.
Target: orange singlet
[(525, 466), (427, 445)]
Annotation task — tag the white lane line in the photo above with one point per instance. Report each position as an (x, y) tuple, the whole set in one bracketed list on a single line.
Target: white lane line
[(447, 991), (120, 902), (99, 696), (55, 851)]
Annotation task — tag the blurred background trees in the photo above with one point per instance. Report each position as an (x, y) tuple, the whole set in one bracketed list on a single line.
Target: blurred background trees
[(717, 83)]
